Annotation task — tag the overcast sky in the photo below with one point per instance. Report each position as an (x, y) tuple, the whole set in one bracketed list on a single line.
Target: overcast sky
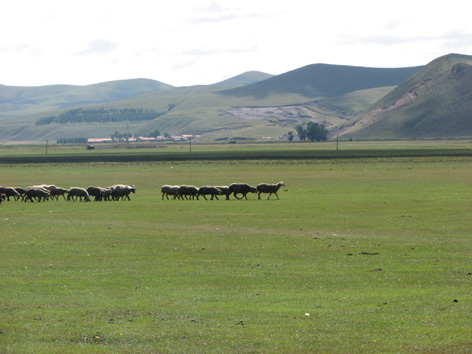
[(190, 42)]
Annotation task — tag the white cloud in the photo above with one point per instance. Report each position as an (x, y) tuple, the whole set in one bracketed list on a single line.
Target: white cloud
[(190, 42), (99, 46)]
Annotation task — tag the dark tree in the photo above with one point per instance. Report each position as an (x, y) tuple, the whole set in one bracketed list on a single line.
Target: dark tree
[(301, 132)]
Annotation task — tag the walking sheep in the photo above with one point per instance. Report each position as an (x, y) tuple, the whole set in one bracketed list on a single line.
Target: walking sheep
[(76, 192), (36, 192), (189, 192), (167, 190), (241, 188), (209, 190), (224, 191), (10, 192), (269, 188), (122, 191), (56, 192), (20, 190), (99, 193)]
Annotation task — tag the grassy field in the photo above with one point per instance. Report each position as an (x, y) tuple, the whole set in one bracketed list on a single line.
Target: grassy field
[(357, 256)]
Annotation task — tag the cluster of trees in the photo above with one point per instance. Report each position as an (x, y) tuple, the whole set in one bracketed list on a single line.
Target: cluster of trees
[(100, 115), (121, 136), (311, 131)]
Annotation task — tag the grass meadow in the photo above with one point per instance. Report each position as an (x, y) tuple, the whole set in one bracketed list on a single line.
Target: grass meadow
[(357, 256)]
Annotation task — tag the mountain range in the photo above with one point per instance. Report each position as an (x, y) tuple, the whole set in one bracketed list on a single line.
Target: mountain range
[(430, 101)]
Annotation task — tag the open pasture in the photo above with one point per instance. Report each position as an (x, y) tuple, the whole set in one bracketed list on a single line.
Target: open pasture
[(357, 256)]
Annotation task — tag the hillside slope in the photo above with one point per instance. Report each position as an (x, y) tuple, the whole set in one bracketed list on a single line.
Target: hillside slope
[(16, 100), (244, 79), (436, 102), (324, 80)]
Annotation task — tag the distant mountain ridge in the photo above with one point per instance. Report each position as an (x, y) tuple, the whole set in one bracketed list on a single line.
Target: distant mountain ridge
[(325, 80), (431, 101), (244, 79), (37, 98)]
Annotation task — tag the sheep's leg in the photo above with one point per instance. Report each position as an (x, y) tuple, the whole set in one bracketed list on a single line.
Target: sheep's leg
[(203, 197), (259, 195)]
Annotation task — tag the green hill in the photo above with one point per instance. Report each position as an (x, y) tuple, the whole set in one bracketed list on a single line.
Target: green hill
[(16, 100), (436, 102), (323, 80), (244, 79)]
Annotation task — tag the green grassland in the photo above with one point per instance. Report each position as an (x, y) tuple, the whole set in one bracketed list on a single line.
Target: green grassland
[(358, 256)]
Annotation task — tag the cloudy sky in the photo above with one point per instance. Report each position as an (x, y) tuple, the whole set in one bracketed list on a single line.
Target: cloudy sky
[(190, 42)]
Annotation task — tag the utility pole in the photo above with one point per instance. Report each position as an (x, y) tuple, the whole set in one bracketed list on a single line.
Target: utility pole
[(190, 139), (337, 142), (47, 141)]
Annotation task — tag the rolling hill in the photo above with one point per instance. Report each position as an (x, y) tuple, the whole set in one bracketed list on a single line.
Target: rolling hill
[(324, 80), (359, 102), (20, 101), (244, 79), (435, 102)]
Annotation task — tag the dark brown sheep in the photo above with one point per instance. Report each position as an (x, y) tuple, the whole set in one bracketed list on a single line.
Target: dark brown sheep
[(10, 192), (209, 190), (36, 192), (56, 192), (187, 192), (2, 197), (224, 191), (99, 193), (76, 192), (20, 190), (269, 188), (241, 188)]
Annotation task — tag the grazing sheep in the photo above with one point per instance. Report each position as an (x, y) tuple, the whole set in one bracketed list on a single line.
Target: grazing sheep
[(20, 190), (2, 198), (10, 192), (241, 188), (269, 188), (224, 191), (76, 192), (167, 190), (189, 192), (122, 191), (100, 193), (49, 187), (36, 192), (56, 192), (209, 190)]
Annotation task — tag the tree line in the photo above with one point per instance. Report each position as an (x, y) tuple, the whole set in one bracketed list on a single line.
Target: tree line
[(100, 115)]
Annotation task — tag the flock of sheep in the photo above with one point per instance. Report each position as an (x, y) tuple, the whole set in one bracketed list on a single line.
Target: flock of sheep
[(192, 192), (50, 192), (122, 191)]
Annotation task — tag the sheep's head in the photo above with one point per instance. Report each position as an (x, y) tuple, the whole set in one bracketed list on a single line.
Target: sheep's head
[(281, 184)]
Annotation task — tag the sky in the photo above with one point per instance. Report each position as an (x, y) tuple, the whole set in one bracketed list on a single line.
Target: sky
[(199, 42)]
